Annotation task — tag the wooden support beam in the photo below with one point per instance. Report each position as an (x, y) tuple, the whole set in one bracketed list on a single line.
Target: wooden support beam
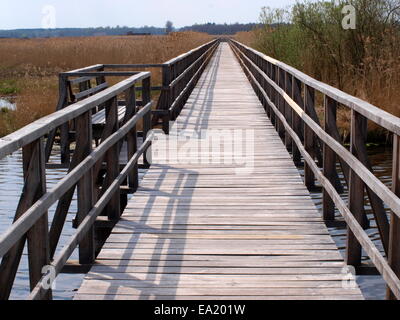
[(288, 111), (296, 95), (146, 97), (38, 249), (133, 177), (85, 188), (394, 240), (273, 94), (281, 102), (62, 103), (74, 267), (356, 191), (328, 206), (309, 136), (113, 209), (165, 99)]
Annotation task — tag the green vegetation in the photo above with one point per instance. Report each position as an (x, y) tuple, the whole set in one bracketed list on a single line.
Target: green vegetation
[(364, 61), (8, 87)]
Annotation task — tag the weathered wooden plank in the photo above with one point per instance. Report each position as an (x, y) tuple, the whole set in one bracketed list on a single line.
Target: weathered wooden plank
[(213, 298), (201, 230)]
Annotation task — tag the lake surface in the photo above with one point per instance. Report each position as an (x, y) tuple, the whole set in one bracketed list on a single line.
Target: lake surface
[(7, 104), (11, 182)]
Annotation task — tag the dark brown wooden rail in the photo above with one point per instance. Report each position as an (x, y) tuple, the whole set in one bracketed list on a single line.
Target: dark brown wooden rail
[(179, 76), (289, 98), (95, 171), (94, 197)]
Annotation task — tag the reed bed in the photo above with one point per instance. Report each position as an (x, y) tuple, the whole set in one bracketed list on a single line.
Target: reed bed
[(364, 62), (29, 67)]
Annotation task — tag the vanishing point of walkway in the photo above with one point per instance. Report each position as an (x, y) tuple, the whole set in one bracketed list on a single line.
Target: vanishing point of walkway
[(207, 232)]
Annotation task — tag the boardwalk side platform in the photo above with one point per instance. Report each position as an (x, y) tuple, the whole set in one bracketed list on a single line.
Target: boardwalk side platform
[(206, 232)]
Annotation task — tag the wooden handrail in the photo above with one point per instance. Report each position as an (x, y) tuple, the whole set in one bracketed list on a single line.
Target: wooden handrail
[(41, 127), (288, 95), (180, 75), (31, 222), (22, 225), (373, 113), (189, 53)]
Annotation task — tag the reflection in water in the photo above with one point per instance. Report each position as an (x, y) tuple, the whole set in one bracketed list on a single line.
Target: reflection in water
[(11, 181)]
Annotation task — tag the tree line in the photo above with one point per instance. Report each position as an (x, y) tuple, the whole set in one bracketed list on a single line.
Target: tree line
[(210, 28)]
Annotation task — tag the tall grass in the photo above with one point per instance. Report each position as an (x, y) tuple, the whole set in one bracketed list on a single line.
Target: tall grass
[(364, 62), (32, 65)]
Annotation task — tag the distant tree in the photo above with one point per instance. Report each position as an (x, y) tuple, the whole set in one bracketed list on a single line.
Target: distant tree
[(169, 27)]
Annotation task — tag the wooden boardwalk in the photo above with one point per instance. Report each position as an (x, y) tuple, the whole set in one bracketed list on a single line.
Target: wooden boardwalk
[(203, 231)]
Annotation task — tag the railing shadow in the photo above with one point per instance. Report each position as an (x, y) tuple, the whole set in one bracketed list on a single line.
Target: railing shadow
[(200, 104), (176, 214)]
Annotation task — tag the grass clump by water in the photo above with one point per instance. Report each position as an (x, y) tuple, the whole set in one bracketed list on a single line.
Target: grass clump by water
[(8, 87)]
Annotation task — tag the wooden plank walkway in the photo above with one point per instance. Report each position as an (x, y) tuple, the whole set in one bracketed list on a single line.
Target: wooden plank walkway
[(203, 231)]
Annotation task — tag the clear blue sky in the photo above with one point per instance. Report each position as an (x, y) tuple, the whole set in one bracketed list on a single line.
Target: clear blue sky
[(15, 14)]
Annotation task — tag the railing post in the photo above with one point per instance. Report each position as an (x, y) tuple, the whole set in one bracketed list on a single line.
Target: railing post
[(173, 90), (38, 246), (288, 110), (113, 208), (85, 187), (296, 121), (38, 235), (62, 103), (146, 98), (64, 128), (166, 70), (273, 94), (394, 238), (281, 102), (309, 143), (133, 177), (264, 85), (356, 190), (329, 158), (268, 89)]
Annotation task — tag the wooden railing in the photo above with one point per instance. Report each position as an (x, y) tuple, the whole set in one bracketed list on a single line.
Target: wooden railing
[(179, 77), (289, 98), (80, 84), (92, 156), (95, 173)]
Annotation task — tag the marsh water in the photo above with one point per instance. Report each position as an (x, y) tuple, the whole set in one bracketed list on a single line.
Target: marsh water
[(6, 104), (11, 181)]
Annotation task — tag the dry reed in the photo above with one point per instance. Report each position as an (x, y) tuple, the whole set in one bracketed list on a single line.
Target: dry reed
[(33, 64)]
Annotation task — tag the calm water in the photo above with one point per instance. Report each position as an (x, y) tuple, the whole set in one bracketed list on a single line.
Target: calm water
[(11, 181), (6, 104), (373, 287)]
